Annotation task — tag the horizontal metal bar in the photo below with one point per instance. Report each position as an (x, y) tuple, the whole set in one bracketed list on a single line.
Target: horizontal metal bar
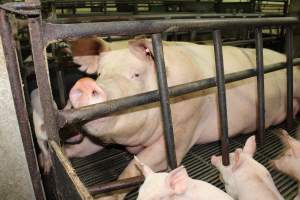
[(54, 32), (116, 185), (103, 109), (90, 17)]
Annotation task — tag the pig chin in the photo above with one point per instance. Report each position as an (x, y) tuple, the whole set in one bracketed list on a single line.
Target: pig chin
[(99, 127)]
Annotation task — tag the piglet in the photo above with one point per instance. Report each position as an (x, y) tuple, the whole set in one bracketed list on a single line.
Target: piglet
[(245, 178), (176, 185), (289, 161), (79, 149)]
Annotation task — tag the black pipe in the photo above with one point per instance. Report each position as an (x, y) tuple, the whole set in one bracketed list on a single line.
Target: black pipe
[(221, 96), (164, 99), (289, 71), (260, 137), (95, 111)]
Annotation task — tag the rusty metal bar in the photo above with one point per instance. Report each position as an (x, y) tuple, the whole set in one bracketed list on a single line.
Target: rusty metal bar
[(43, 81), (164, 100), (116, 185), (289, 71), (20, 105), (260, 86), (95, 111), (221, 96), (54, 32)]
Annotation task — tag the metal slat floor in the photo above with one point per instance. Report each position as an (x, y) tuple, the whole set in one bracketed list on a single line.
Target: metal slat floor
[(107, 164)]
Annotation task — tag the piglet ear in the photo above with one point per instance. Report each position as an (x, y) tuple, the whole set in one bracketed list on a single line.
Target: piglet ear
[(290, 142), (237, 159), (141, 48), (142, 167), (215, 160), (177, 180), (250, 146)]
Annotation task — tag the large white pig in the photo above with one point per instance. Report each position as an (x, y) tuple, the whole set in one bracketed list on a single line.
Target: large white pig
[(289, 161), (131, 70), (176, 185), (81, 147), (245, 178)]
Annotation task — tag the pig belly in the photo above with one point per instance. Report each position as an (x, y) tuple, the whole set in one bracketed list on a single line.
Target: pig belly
[(242, 108)]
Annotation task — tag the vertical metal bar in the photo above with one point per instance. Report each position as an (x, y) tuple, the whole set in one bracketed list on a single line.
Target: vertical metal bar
[(221, 96), (289, 70), (260, 86), (164, 100), (43, 82), (60, 85), (20, 105)]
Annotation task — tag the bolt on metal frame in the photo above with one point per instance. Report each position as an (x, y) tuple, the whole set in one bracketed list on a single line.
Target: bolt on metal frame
[(42, 34)]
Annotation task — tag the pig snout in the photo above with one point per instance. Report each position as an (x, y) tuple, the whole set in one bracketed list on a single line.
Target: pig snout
[(86, 92)]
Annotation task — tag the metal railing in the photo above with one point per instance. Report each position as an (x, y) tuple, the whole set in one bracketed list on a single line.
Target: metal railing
[(42, 34)]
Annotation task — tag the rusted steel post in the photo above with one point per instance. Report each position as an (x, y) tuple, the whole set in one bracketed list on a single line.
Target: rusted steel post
[(260, 86), (164, 100), (20, 105), (289, 71)]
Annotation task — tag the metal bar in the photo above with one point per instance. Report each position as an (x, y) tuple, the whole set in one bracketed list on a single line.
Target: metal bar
[(289, 70), (20, 105), (95, 111), (43, 81), (61, 31), (164, 99), (116, 185), (221, 96), (260, 86)]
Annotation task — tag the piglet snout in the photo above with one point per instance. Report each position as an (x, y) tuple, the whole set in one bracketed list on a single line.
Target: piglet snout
[(86, 92)]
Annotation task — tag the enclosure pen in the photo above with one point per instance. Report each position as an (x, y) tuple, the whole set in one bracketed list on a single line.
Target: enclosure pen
[(43, 33)]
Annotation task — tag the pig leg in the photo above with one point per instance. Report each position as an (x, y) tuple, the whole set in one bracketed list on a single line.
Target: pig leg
[(84, 148), (44, 156), (157, 162)]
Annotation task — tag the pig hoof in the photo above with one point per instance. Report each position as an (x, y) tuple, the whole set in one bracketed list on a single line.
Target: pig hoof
[(46, 163)]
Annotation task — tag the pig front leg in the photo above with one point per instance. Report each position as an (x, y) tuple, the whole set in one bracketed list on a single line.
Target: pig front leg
[(44, 156)]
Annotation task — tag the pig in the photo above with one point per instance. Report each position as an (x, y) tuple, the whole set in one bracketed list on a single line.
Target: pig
[(83, 145), (130, 71), (289, 161), (245, 178), (176, 185)]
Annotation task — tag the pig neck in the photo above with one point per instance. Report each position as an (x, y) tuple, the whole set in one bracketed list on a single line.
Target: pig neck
[(200, 190)]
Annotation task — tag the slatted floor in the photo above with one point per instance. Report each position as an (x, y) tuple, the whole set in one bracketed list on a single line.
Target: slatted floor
[(107, 164)]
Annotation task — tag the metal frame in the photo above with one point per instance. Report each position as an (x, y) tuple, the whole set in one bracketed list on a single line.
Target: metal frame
[(44, 33)]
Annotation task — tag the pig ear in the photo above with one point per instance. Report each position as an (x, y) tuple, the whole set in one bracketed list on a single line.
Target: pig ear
[(290, 142), (237, 159), (215, 160), (144, 168), (250, 146), (141, 48), (86, 52), (177, 180)]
